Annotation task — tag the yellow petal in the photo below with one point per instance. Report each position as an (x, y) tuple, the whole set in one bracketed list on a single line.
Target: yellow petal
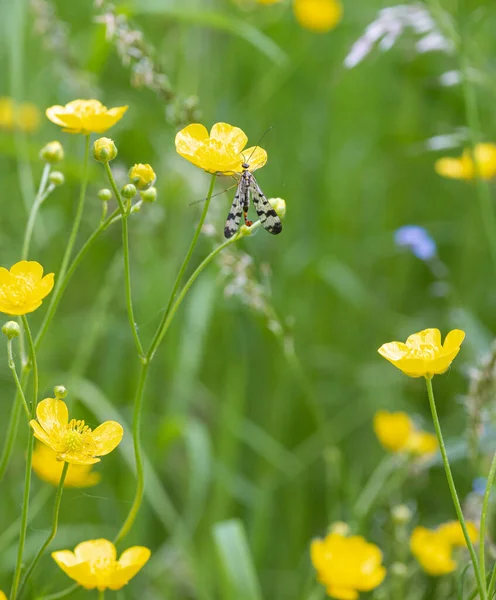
[(190, 139), (40, 434), (56, 115), (95, 549), (229, 136), (131, 561), (453, 340), (77, 458), (319, 16), (393, 430), (45, 286), (106, 437), (421, 443), (453, 534), (256, 157), (80, 572), (372, 580), (2, 596), (28, 268), (430, 337), (342, 593), (5, 276), (393, 351), (10, 309), (53, 417)]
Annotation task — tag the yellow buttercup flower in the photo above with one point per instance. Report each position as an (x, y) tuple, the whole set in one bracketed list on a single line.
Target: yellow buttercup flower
[(464, 166), (319, 16), (347, 565), (433, 549), (142, 176), (6, 113), (221, 151), (2, 596), (24, 116), (423, 355), (73, 441), (49, 469), (23, 288), (396, 432), (94, 564), (85, 116)]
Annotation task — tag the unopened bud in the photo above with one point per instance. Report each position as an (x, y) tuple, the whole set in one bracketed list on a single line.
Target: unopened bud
[(339, 527), (128, 191), (56, 178), (60, 392), (401, 514), (104, 150), (279, 205), (149, 195), (52, 153), (143, 176), (399, 569), (105, 194), (11, 329)]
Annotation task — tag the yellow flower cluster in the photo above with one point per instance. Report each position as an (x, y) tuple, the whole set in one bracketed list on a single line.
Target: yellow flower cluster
[(397, 433), (347, 565), (464, 167), (23, 116), (433, 548)]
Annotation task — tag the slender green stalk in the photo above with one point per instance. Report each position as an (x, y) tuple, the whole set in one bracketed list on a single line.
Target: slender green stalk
[(451, 484), (29, 461), (101, 595), (127, 265), (140, 476), (12, 428), (484, 512), (20, 391), (62, 594), (158, 336), (492, 585), (40, 197), (374, 486), (53, 532)]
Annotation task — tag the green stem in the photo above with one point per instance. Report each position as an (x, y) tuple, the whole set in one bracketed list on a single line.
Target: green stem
[(62, 594), (127, 266), (20, 391), (140, 476), (451, 484), (29, 460), (374, 486), (101, 595), (492, 584), (12, 428), (159, 334), (40, 197), (483, 520), (53, 532), (57, 295)]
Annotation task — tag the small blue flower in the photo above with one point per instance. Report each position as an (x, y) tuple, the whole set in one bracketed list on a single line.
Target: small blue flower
[(479, 485), (417, 240)]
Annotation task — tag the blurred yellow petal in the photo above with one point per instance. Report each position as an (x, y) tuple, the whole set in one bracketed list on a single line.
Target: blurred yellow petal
[(432, 551), (319, 16), (48, 468), (453, 168), (342, 593), (106, 437), (85, 116), (422, 443), (453, 534), (55, 114), (393, 430), (2, 596)]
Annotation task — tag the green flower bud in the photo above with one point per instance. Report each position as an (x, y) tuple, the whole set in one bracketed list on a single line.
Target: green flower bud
[(149, 195), (60, 392), (401, 514), (128, 191), (399, 569), (56, 178), (11, 329), (143, 176), (104, 150), (279, 205), (52, 153), (105, 194), (339, 527)]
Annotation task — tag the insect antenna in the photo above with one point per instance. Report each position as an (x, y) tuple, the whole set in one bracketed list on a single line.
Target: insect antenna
[(214, 195), (258, 143)]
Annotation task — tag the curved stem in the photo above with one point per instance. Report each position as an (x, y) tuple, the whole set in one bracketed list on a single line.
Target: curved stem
[(158, 336), (53, 532), (40, 196), (485, 508), (492, 584), (451, 484), (20, 391), (29, 460), (127, 267), (61, 594), (140, 476)]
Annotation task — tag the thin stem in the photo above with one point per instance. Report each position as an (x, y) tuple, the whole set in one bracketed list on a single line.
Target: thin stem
[(29, 461), (62, 594), (40, 196), (451, 484), (53, 532), (20, 391), (492, 584), (159, 334), (127, 267), (140, 476), (63, 282), (483, 520), (374, 486), (12, 428), (101, 595)]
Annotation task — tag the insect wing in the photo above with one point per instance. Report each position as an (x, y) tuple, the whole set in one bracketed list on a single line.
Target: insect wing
[(236, 212), (267, 215)]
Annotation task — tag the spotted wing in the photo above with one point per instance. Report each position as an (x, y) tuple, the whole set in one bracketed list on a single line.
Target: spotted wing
[(267, 215), (234, 217)]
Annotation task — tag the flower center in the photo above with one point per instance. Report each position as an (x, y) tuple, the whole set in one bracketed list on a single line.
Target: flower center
[(77, 438), (104, 566), (18, 291), (425, 351)]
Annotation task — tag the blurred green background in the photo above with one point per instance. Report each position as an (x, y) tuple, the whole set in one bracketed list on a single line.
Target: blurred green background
[(239, 422)]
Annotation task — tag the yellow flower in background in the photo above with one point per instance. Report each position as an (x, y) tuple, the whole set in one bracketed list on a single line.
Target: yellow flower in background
[(85, 116), (433, 549), (396, 432), (73, 441), (221, 151), (23, 288), (6, 113), (319, 16), (24, 116), (49, 469), (464, 166), (452, 532), (423, 355), (94, 564), (347, 565), (142, 176), (267, 2), (2, 596)]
